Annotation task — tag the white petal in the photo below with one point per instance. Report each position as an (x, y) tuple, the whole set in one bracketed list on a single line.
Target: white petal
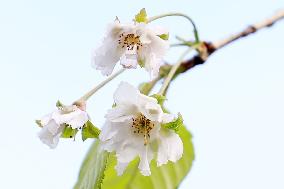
[(167, 118), (108, 131), (126, 94), (129, 60), (145, 159), (116, 131), (153, 53), (170, 147), (128, 150), (143, 32), (45, 119), (108, 54), (121, 113), (52, 127), (124, 156), (49, 138), (152, 65), (110, 145), (159, 46), (106, 57), (120, 168), (150, 108), (76, 119)]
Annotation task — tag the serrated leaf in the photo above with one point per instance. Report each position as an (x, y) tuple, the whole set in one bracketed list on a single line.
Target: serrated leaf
[(90, 131), (68, 132), (164, 36), (141, 16), (174, 125), (93, 168), (168, 176)]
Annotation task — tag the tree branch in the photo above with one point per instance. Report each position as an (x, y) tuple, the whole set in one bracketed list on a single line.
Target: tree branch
[(208, 48)]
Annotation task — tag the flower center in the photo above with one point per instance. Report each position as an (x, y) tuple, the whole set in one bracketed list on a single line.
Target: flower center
[(142, 126), (130, 41)]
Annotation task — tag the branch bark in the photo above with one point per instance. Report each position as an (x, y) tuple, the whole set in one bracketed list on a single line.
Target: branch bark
[(209, 48)]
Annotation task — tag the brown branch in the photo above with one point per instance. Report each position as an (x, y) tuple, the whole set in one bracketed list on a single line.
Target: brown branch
[(207, 48)]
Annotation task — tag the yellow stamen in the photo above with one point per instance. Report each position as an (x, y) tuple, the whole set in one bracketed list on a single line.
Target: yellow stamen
[(142, 125)]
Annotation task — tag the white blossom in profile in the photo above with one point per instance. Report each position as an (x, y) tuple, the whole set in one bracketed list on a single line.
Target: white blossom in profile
[(131, 44), (134, 128), (53, 124)]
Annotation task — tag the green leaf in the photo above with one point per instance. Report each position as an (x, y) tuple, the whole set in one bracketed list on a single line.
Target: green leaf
[(93, 168), (160, 98), (90, 131), (68, 132), (141, 16), (174, 125), (98, 172), (164, 36)]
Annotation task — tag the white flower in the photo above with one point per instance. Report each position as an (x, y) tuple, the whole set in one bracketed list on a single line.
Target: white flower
[(54, 123), (133, 128), (131, 44)]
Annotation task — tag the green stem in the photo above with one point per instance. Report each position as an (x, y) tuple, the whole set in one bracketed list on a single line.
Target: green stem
[(145, 88), (151, 19), (179, 45), (90, 93), (172, 72)]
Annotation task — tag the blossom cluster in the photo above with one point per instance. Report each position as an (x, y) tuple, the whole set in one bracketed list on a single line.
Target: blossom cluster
[(137, 125)]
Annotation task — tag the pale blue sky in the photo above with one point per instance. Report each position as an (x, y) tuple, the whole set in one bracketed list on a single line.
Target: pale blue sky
[(233, 105)]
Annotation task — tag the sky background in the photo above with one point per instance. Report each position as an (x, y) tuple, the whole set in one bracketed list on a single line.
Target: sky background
[(233, 105)]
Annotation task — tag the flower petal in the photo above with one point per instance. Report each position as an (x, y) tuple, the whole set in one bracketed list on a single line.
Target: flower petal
[(108, 131), (50, 138), (167, 118), (120, 168), (75, 119), (125, 94), (145, 159), (170, 148), (120, 113), (129, 60), (106, 57), (107, 54), (45, 119), (79, 120), (150, 108), (52, 127)]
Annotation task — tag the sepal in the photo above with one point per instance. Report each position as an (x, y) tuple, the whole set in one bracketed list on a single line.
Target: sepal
[(90, 131), (160, 98), (68, 132), (175, 124), (141, 17)]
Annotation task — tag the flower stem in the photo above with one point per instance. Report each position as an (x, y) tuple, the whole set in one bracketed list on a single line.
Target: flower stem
[(172, 72), (151, 19), (85, 97), (146, 88)]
